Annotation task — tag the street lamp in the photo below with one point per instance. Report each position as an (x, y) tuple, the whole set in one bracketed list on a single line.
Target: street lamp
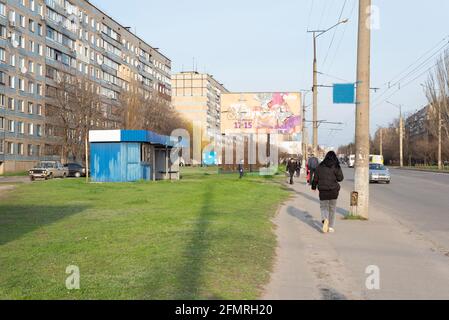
[(401, 133), (316, 34)]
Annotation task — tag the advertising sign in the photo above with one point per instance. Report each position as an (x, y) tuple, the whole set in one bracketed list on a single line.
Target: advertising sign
[(261, 113)]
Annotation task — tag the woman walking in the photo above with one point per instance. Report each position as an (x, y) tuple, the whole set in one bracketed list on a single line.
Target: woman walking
[(326, 179)]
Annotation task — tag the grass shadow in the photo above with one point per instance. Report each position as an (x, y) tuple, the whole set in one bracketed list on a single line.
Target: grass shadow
[(189, 275), (18, 220)]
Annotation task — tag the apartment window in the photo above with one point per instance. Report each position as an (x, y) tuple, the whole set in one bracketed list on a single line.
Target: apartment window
[(22, 21), (30, 129), (20, 149), (12, 60), (20, 127), (30, 107), (38, 150), (11, 104), (2, 55), (32, 5), (21, 106), (40, 30), (31, 25), (10, 126), (12, 82), (40, 70), (31, 66), (30, 150), (2, 100), (32, 47), (2, 78), (39, 89), (30, 87), (2, 144), (2, 123), (39, 109), (2, 9), (39, 130), (10, 147), (21, 84), (2, 31)]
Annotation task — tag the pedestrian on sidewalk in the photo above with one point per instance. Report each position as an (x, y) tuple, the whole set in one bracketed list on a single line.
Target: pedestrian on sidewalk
[(291, 169), (298, 168), (312, 166), (327, 179), (242, 169)]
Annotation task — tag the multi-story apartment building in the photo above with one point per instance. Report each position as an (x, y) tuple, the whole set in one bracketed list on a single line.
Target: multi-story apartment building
[(40, 38), (196, 96)]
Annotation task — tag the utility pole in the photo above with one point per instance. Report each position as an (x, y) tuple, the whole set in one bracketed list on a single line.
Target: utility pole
[(440, 127), (401, 137), (316, 34), (362, 132), (315, 99)]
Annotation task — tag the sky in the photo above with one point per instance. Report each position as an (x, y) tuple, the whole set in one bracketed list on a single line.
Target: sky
[(263, 45)]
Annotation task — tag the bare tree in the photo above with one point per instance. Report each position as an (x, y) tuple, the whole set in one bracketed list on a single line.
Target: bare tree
[(74, 106), (144, 110)]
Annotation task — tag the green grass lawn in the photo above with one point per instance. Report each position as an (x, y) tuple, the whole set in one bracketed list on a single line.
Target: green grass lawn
[(15, 174), (207, 236)]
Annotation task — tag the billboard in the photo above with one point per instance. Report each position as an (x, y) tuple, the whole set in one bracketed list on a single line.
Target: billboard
[(261, 113)]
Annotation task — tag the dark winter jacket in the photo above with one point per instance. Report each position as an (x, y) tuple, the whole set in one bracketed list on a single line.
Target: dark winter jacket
[(291, 167), (313, 163), (326, 179)]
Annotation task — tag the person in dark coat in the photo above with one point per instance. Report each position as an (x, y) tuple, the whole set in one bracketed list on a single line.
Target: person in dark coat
[(298, 168), (291, 169), (312, 165), (242, 169), (327, 180)]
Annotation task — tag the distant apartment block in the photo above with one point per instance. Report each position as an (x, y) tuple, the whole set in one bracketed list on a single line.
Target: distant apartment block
[(40, 38), (196, 96)]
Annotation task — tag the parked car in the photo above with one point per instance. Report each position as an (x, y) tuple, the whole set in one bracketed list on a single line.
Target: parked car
[(75, 170), (379, 173), (48, 170)]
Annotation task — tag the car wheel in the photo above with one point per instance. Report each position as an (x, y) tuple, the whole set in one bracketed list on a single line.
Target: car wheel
[(77, 175), (388, 182), (32, 178), (64, 175)]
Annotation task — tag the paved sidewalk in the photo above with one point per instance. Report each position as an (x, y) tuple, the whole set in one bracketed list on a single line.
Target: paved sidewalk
[(312, 265)]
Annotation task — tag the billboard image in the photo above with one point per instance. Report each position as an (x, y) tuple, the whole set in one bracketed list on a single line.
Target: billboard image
[(261, 113)]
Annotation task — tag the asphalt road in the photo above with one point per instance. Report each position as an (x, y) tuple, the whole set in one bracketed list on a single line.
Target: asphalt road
[(418, 200)]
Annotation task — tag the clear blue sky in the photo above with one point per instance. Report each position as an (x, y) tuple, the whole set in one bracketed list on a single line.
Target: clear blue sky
[(262, 45)]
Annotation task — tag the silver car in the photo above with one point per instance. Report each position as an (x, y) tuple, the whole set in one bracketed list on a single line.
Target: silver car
[(379, 173)]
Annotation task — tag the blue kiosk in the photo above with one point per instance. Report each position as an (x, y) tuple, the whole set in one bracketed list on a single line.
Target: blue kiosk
[(131, 155)]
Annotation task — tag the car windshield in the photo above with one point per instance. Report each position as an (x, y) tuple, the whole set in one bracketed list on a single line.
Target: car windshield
[(46, 165), (375, 166)]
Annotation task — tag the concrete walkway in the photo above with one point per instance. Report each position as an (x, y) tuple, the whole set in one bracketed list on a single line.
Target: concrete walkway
[(312, 265)]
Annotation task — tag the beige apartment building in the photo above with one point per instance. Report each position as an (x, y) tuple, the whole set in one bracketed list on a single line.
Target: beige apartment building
[(41, 38), (196, 96)]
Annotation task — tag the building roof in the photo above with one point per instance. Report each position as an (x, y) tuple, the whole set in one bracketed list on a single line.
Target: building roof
[(142, 136)]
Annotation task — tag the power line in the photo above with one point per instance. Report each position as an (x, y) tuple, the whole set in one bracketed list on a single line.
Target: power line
[(416, 69), (404, 86), (335, 32), (351, 14)]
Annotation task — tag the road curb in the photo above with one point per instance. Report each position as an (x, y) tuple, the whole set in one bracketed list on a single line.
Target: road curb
[(420, 170)]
